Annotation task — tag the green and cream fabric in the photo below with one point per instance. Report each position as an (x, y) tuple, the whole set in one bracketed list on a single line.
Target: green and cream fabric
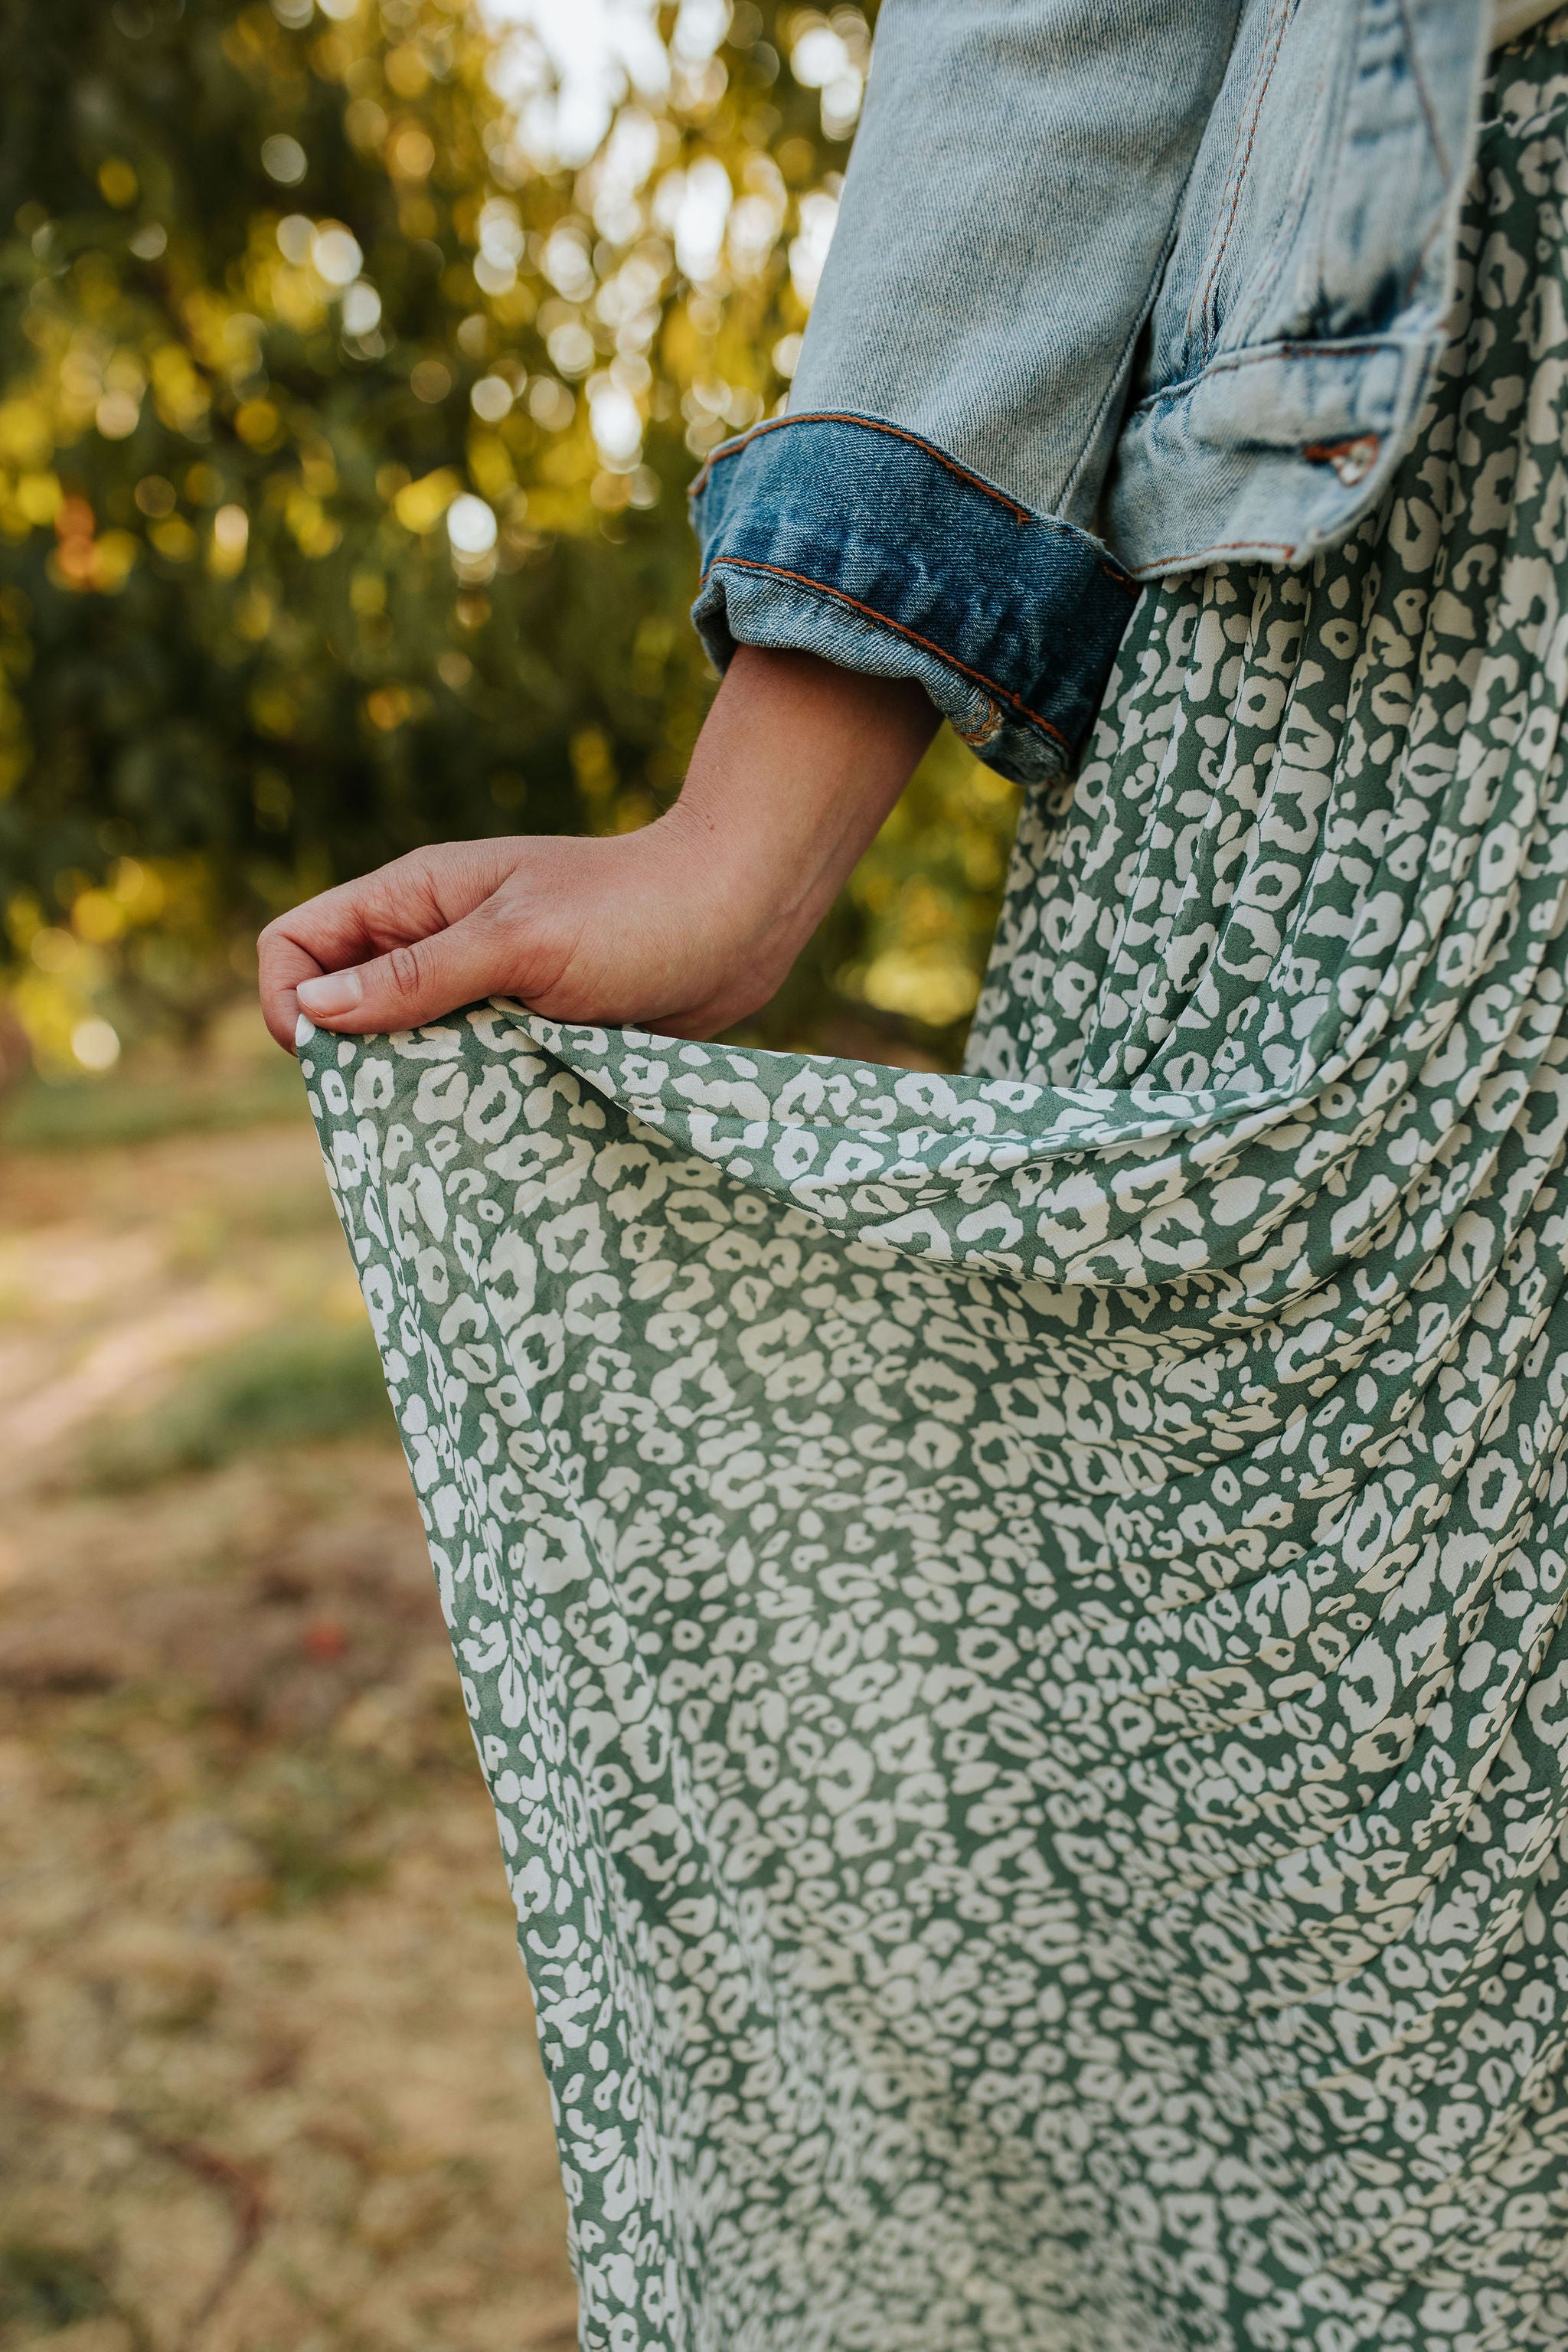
[(1016, 1623)]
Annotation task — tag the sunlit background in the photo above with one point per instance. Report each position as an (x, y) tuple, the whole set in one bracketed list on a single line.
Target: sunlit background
[(355, 356)]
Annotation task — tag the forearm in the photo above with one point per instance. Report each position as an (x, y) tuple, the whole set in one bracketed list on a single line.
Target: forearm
[(796, 767)]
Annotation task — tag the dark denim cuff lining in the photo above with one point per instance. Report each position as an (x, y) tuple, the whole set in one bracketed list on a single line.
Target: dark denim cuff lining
[(853, 539)]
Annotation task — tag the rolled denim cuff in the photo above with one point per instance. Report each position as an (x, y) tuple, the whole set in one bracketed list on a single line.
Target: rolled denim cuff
[(851, 538)]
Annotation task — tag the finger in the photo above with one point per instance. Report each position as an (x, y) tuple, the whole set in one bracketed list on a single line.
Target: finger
[(281, 965), (338, 927), (417, 980), (411, 898), (407, 900)]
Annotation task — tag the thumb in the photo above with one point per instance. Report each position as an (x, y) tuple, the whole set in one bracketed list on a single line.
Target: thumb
[(419, 980)]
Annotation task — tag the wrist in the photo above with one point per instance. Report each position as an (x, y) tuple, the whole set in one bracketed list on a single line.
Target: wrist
[(797, 766), (716, 874)]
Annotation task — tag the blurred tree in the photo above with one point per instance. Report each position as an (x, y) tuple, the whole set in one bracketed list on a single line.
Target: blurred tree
[(354, 356)]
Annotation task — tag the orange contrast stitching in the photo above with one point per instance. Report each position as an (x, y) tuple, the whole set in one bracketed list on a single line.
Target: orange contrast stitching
[(1413, 51), (803, 580), (873, 425), (1220, 547), (1323, 452), (1228, 364), (1238, 173)]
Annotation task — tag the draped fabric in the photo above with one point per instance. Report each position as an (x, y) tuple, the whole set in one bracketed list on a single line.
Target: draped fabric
[(1014, 1623)]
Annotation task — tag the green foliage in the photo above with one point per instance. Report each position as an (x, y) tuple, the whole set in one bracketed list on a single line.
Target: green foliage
[(85, 1114), (307, 1861), (344, 424), (44, 2288), (288, 1386)]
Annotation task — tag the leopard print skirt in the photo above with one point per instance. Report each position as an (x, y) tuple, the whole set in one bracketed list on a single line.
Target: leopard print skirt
[(1016, 1625)]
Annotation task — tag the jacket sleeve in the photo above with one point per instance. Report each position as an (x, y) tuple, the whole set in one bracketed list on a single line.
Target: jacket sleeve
[(925, 508)]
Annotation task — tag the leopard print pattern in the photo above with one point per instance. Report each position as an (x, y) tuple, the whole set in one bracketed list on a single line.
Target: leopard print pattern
[(1016, 1623)]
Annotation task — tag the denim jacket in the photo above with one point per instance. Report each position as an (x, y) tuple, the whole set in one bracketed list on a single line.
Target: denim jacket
[(1119, 288)]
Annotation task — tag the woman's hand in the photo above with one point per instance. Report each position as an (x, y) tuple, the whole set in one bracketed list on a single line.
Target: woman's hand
[(682, 927)]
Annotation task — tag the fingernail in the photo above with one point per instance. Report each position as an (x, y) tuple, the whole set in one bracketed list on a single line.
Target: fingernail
[(336, 991)]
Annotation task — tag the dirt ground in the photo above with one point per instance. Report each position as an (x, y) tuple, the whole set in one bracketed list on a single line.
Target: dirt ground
[(268, 2074)]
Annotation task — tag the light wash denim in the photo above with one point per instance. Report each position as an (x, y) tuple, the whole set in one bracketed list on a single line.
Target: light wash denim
[(1119, 288)]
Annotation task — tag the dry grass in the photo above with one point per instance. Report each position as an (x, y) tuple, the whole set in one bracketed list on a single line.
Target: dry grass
[(267, 2075)]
